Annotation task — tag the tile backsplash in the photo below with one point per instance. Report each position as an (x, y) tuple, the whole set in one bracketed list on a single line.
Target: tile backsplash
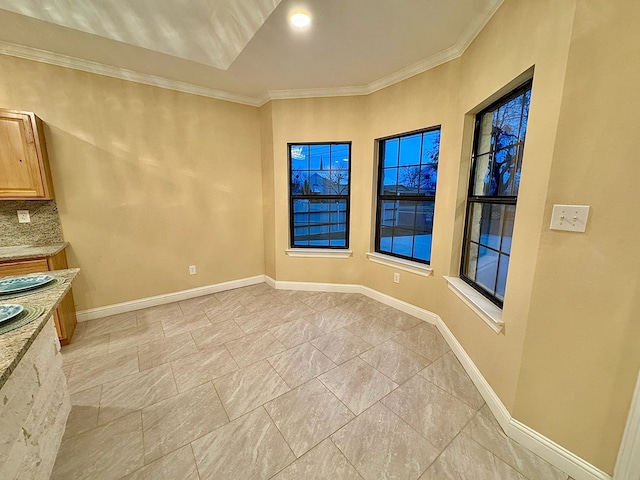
[(44, 228)]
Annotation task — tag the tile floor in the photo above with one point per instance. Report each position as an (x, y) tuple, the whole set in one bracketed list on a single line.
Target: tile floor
[(257, 383)]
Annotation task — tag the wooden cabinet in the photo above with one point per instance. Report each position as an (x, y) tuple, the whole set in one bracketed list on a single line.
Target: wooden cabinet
[(65, 315), (24, 165)]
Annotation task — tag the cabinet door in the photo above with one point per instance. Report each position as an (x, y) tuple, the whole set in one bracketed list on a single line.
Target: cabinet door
[(23, 267), (19, 166), (24, 166)]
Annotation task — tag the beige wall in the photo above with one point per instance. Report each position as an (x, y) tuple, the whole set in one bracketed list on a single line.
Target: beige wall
[(581, 352), (147, 181), (518, 363)]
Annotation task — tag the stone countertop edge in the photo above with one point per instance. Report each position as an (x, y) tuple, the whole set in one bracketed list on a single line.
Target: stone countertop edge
[(14, 344), (25, 252)]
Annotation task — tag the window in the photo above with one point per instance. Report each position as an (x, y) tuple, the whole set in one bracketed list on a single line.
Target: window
[(408, 172), (493, 191), (319, 186)]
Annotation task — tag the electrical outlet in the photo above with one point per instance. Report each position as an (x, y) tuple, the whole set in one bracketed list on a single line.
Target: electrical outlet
[(23, 216), (192, 269), (396, 277)]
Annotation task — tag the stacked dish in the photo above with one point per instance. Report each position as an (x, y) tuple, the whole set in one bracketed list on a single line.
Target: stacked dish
[(23, 283), (9, 311), (13, 315)]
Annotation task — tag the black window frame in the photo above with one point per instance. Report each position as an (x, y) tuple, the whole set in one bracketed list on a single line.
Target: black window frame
[(472, 199), (380, 197), (293, 197)]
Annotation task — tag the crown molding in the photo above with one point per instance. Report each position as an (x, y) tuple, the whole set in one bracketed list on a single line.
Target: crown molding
[(469, 35), (30, 53), (38, 55)]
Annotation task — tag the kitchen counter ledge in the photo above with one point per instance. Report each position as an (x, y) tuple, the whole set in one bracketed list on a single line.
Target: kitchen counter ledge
[(14, 344), (24, 252)]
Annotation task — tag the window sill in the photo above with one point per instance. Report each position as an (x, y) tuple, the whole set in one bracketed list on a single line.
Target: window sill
[(490, 313), (318, 253), (406, 265)]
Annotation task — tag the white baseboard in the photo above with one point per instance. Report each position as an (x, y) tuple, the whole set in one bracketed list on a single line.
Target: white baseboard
[(108, 310), (542, 446), (628, 463), (401, 305), (553, 453), (493, 401), (550, 451)]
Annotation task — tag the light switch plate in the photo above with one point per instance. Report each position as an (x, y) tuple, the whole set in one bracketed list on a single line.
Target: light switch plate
[(23, 216), (572, 218)]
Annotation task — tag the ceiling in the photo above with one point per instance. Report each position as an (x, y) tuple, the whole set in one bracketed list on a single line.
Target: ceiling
[(245, 50)]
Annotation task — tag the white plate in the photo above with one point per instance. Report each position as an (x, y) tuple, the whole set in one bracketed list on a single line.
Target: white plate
[(9, 311), (25, 282)]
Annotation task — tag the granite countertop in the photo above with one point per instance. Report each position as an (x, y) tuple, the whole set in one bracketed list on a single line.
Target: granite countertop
[(23, 252), (14, 344)]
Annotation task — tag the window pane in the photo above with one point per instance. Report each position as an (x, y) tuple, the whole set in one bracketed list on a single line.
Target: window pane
[(504, 171), (299, 165), (406, 216), (390, 152), (319, 183), (507, 229), (319, 157), (408, 180), (502, 276), (487, 268), (388, 213), (339, 157), (424, 219), (299, 182), (482, 178), (299, 157), (389, 181), (506, 123), (385, 243), (422, 247), (431, 147), (525, 115), (402, 245), (423, 232), (484, 140), (339, 182), (410, 150), (471, 261), (491, 225), (474, 223), (403, 234)]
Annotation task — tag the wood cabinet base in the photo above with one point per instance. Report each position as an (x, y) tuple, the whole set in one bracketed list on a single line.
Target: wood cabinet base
[(64, 317)]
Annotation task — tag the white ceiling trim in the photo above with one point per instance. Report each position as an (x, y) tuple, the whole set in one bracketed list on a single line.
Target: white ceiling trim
[(449, 54), (211, 33), (412, 70), (59, 60)]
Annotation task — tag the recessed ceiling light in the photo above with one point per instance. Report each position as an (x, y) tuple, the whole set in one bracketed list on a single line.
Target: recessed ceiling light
[(300, 20)]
